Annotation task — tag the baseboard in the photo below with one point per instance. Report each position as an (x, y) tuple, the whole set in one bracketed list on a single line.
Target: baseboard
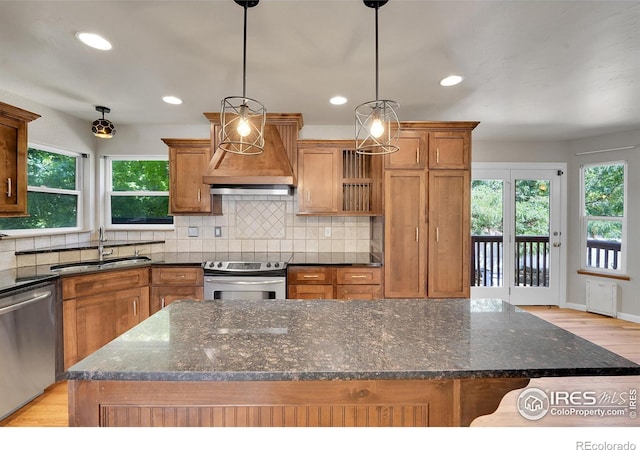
[(576, 306), (628, 317), (619, 315)]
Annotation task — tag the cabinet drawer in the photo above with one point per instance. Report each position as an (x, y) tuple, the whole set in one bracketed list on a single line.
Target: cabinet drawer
[(310, 275), (359, 291), (99, 283), (162, 296), (311, 291), (177, 276), (358, 275)]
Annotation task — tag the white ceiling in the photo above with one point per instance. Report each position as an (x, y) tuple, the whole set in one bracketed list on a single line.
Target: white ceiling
[(532, 69)]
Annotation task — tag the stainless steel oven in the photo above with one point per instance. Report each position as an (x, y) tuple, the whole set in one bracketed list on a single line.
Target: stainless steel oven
[(238, 280)]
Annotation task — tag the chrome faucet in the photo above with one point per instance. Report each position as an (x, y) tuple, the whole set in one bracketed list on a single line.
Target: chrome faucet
[(101, 251)]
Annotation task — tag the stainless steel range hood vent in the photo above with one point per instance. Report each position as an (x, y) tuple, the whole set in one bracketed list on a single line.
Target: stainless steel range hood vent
[(252, 189)]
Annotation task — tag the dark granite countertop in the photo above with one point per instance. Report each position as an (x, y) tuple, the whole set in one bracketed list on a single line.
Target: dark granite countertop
[(23, 276), (231, 340)]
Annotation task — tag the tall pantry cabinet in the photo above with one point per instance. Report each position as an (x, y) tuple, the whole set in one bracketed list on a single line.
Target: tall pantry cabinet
[(427, 211)]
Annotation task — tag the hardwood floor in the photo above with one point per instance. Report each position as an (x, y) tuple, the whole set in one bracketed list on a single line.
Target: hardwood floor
[(619, 336)]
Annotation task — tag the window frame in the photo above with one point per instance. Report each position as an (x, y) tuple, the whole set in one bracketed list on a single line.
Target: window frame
[(109, 193), (79, 192), (623, 220)]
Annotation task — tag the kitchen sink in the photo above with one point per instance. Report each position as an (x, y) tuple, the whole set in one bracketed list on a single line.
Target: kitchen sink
[(95, 264)]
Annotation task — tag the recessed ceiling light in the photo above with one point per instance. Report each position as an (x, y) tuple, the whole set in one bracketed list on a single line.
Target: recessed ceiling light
[(94, 40), (172, 100), (451, 80), (338, 100)]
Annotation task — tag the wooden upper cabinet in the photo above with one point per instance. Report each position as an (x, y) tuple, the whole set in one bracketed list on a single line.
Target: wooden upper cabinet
[(334, 180), (188, 158), (449, 230), (13, 160), (412, 153), (317, 180), (449, 150)]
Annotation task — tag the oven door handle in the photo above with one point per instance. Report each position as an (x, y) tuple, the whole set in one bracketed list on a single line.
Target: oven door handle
[(246, 282)]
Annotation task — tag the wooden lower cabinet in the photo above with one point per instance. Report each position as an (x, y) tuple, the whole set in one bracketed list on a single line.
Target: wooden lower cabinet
[(328, 282), (405, 234), (328, 403), (97, 308), (169, 284), (449, 225)]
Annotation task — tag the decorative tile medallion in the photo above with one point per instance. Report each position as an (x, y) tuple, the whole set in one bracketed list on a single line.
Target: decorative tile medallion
[(260, 219)]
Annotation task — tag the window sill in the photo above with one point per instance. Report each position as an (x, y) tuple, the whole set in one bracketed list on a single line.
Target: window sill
[(604, 275)]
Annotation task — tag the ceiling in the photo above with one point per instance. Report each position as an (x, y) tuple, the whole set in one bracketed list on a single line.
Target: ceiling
[(543, 70)]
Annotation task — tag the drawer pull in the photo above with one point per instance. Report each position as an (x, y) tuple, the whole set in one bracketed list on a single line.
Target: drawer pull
[(359, 276), (311, 276)]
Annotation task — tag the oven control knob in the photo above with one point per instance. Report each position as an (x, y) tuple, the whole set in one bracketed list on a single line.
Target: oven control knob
[(268, 264), (277, 264), (219, 264)]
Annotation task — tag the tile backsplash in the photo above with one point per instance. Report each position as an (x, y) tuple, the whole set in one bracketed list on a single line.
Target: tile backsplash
[(248, 224), (261, 224)]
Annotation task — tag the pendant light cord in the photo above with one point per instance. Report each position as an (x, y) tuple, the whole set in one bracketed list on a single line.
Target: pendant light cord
[(244, 55), (376, 8)]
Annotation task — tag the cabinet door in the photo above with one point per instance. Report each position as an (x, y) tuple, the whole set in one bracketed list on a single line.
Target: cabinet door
[(412, 153), (91, 322), (317, 181), (162, 296), (449, 231), (404, 236), (13, 160), (188, 194), (449, 150)]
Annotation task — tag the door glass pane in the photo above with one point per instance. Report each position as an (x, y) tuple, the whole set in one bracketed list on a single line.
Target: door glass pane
[(532, 216), (487, 232)]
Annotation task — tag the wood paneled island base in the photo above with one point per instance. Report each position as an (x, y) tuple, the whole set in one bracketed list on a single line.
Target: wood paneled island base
[(358, 403)]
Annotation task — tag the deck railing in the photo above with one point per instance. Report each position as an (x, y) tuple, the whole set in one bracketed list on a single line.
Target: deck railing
[(532, 257)]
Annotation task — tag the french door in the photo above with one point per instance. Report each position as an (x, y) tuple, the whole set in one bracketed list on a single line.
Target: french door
[(517, 236)]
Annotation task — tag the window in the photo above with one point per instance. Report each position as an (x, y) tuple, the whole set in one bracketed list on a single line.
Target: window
[(137, 192), (604, 199), (53, 192)]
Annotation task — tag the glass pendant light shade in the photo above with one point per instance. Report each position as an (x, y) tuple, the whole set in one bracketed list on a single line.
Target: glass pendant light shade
[(103, 128), (377, 124), (243, 118)]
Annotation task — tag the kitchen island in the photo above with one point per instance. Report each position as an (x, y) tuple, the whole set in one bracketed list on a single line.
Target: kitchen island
[(325, 363)]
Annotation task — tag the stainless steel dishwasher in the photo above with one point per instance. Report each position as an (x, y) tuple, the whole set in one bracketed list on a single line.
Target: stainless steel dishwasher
[(27, 345)]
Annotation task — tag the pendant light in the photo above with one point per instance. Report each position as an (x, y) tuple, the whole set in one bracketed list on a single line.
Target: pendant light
[(243, 118), (103, 128), (377, 125)]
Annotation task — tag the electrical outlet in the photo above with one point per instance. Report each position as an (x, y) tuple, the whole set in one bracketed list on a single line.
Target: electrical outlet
[(193, 231), (217, 231), (327, 231)]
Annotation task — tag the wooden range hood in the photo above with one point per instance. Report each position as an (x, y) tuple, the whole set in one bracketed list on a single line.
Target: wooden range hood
[(277, 165)]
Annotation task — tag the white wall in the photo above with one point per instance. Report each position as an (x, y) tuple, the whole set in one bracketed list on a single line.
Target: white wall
[(628, 290), (57, 130)]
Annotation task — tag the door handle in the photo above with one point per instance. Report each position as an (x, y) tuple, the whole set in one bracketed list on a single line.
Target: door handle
[(9, 190), (557, 244)]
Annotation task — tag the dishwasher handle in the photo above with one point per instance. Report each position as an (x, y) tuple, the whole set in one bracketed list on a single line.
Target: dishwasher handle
[(35, 299)]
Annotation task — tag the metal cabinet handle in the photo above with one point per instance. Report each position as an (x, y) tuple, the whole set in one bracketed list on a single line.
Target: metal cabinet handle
[(9, 187), (417, 155), (417, 234), (308, 196), (437, 154), (199, 195), (135, 308), (358, 276), (162, 303), (310, 276), (437, 234)]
